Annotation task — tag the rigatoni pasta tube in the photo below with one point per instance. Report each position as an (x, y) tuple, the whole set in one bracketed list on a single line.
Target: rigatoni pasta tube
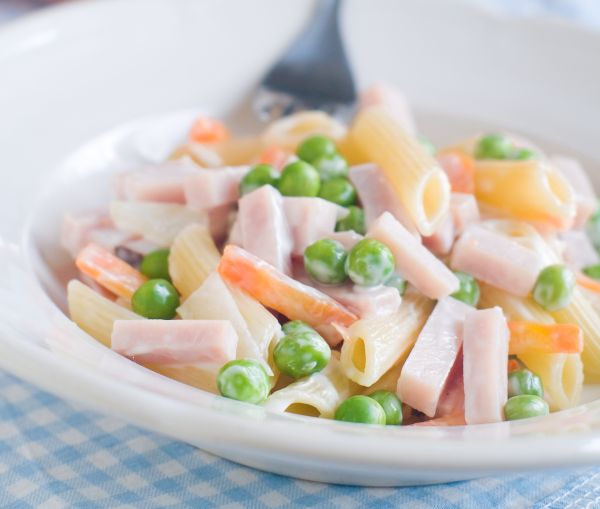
[(192, 258), (94, 313), (416, 178), (530, 191), (374, 345)]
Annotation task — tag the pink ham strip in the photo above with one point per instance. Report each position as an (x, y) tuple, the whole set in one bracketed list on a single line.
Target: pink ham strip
[(424, 374), (578, 250), (109, 238), (175, 342), (496, 260), (76, 229), (485, 354), (464, 211), (348, 239), (393, 100), (265, 231), (414, 261), (235, 234), (219, 221), (162, 183), (213, 187), (440, 243), (376, 196), (585, 197), (452, 399), (310, 219)]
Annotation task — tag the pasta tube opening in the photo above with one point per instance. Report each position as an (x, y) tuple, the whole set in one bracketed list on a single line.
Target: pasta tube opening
[(303, 409), (359, 355), (434, 197)]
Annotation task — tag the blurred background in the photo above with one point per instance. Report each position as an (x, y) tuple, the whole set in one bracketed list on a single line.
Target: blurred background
[(583, 11)]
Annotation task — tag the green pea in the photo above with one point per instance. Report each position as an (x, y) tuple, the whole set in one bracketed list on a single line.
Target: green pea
[(391, 405), (325, 261), (260, 175), (494, 146), (468, 291), (370, 263), (554, 287), (331, 166), (244, 380), (299, 179), (338, 190), (398, 282), (315, 147), (296, 326), (155, 265), (592, 270), (355, 220), (524, 381), (301, 354), (361, 409), (156, 298), (523, 154), (427, 145), (524, 407), (592, 228)]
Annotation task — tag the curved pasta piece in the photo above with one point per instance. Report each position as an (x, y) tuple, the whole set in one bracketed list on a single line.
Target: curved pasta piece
[(416, 178), (530, 190)]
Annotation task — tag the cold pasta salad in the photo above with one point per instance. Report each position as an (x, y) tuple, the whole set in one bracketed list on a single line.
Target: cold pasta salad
[(351, 272)]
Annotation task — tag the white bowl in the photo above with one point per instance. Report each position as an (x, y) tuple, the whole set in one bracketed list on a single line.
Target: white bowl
[(72, 73)]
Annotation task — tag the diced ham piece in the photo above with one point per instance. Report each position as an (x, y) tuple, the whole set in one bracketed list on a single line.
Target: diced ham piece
[(440, 243), (109, 238), (235, 234), (363, 302), (452, 400), (394, 102), (578, 250), (163, 183), (265, 231), (413, 260), (464, 211), (426, 370), (212, 187), (585, 197), (485, 352), (376, 196), (175, 342), (310, 219), (76, 229), (219, 221), (348, 239), (497, 260)]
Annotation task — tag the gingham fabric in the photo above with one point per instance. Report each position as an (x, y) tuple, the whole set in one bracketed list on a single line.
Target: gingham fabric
[(54, 455)]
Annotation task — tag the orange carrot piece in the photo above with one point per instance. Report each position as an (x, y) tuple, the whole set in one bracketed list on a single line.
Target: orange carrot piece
[(109, 271), (513, 365), (275, 290), (447, 420), (544, 337), (208, 130), (275, 156), (460, 168), (588, 283)]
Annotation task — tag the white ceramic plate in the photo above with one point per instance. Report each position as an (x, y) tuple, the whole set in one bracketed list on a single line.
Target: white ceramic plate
[(73, 73)]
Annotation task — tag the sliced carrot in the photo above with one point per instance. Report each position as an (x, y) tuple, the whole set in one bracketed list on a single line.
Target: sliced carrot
[(277, 291), (460, 168), (588, 283), (275, 156), (109, 271), (208, 130), (457, 419), (543, 337)]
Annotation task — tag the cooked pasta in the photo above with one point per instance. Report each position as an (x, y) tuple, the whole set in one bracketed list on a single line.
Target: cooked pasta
[(192, 258), (94, 313), (204, 378), (374, 345), (416, 178)]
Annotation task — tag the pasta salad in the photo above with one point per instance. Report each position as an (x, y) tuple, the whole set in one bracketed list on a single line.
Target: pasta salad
[(351, 272)]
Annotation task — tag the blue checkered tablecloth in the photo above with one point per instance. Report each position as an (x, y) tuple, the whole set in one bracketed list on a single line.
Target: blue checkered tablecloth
[(55, 455)]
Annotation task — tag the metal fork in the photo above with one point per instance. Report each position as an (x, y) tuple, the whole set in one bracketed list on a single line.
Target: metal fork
[(314, 73)]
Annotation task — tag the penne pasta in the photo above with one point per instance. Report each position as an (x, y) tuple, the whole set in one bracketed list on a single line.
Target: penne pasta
[(203, 155), (93, 313), (158, 222), (192, 258), (317, 395), (528, 190), (373, 345), (204, 378)]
